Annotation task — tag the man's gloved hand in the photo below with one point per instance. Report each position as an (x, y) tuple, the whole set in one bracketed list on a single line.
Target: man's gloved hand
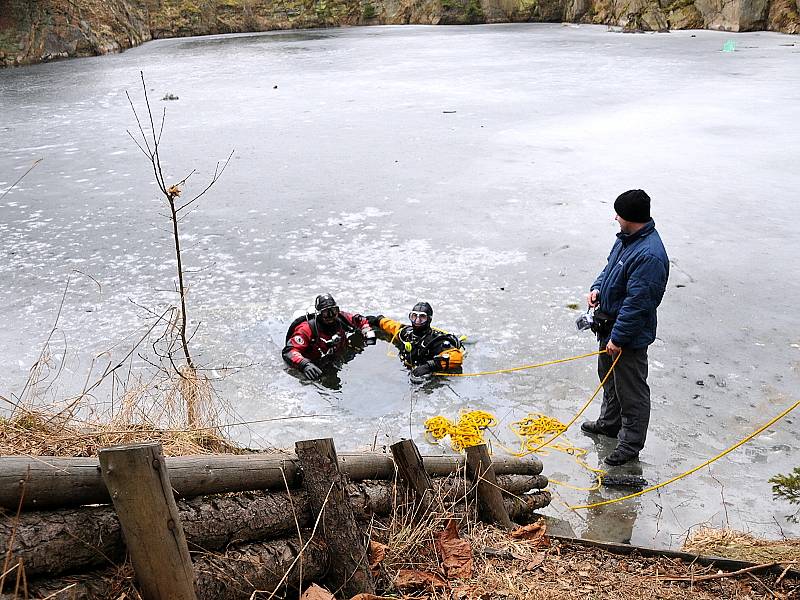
[(369, 337), (312, 371), (424, 369), (374, 321)]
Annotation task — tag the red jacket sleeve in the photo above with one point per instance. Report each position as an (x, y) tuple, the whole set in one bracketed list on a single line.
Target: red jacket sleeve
[(299, 342), (358, 321)]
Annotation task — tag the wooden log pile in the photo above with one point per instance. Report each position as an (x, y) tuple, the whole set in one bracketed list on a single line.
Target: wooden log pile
[(255, 509), (57, 482)]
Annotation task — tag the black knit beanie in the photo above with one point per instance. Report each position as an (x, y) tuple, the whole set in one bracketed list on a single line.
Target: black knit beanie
[(634, 206)]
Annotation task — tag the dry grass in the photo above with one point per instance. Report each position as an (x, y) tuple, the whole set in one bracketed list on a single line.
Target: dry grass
[(154, 409), (729, 543), (409, 534), (32, 432)]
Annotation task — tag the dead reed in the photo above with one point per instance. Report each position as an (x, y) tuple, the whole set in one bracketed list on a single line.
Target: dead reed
[(155, 409), (734, 544)]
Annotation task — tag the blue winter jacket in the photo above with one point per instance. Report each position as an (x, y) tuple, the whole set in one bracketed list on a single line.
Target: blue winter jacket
[(632, 285)]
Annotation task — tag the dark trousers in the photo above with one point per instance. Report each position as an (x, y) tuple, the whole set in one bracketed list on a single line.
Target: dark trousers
[(626, 398)]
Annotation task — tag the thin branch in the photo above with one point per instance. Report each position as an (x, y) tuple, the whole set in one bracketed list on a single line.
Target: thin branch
[(303, 549), (185, 179), (135, 141), (296, 522), (785, 571), (163, 119), (59, 592), (12, 537), (217, 174), (149, 152), (109, 370), (762, 584), (31, 168), (719, 575), (53, 329), (156, 158)]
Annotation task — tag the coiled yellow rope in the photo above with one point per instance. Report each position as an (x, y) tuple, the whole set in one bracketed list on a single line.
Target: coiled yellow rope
[(536, 431), (467, 432), (533, 432)]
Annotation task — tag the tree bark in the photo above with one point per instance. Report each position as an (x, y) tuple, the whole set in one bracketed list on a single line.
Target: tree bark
[(412, 472), (522, 510), (137, 480), (490, 499), (234, 575), (56, 482), (328, 498), (76, 539)]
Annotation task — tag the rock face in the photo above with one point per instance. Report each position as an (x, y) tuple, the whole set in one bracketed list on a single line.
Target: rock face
[(38, 30)]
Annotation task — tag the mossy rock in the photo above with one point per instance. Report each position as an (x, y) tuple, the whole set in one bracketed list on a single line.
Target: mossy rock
[(685, 17)]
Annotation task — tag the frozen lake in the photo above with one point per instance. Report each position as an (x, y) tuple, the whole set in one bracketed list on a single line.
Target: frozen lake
[(472, 167)]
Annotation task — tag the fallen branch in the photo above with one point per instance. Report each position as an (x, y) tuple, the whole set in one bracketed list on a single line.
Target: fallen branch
[(716, 575)]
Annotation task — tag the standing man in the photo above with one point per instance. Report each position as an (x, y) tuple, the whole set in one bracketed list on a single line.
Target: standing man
[(626, 295)]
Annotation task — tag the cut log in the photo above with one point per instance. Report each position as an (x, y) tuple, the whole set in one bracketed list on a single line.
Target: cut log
[(490, 499), (76, 539), (234, 575), (137, 480), (412, 472), (521, 509), (328, 499), (55, 482)]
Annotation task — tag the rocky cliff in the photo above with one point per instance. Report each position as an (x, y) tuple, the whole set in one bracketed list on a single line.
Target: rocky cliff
[(36, 30)]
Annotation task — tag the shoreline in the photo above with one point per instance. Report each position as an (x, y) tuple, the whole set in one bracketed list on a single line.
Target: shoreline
[(47, 32)]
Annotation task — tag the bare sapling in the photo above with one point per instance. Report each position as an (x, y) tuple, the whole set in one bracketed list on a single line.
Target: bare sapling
[(193, 389)]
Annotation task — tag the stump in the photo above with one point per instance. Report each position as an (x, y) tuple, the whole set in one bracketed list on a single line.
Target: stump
[(327, 495), (490, 500), (137, 481)]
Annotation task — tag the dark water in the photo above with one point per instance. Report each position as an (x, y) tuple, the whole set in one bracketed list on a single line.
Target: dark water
[(474, 168)]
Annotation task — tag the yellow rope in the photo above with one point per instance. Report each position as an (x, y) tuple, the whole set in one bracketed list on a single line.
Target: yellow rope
[(522, 368), (697, 468), (467, 432), (532, 430), (583, 408)]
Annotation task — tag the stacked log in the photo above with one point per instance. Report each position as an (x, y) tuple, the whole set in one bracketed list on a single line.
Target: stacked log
[(232, 575), (55, 482), (76, 539), (257, 529)]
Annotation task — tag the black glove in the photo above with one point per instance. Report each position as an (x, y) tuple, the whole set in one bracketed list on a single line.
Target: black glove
[(424, 369), (374, 321), (312, 371), (369, 338)]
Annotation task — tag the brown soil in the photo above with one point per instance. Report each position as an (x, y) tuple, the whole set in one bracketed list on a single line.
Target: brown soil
[(544, 569), (579, 572)]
